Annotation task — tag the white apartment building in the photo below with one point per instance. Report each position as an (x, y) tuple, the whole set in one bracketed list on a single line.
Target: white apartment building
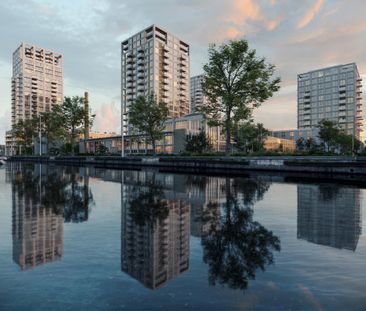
[(36, 84), (155, 62), (332, 93)]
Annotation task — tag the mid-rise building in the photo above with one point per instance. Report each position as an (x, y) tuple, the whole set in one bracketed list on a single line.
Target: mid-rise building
[(197, 97), (155, 62), (332, 93), (36, 84)]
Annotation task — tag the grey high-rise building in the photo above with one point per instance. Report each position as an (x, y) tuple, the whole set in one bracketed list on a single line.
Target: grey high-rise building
[(155, 62), (36, 84), (197, 97), (332, 93)]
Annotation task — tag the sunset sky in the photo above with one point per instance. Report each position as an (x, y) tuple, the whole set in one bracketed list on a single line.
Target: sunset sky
[(297, 36)]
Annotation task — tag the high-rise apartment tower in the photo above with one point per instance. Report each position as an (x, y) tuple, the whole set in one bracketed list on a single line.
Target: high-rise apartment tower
[(155, 62), (37, 82)]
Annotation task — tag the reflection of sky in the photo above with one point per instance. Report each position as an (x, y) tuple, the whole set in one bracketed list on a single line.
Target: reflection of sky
[(304, 276)]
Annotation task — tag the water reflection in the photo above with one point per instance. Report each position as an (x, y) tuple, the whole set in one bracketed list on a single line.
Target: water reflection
[(43, 198), (329, 214), (155, 230), (239, 246), (159, 210)]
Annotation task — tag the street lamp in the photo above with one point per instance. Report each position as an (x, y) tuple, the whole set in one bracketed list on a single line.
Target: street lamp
[(40, 135)]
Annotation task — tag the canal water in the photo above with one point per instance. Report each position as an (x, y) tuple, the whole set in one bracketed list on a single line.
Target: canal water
[(97, 239)]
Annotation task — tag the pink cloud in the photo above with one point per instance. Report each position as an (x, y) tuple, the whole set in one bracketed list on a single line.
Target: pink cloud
[(310, 14), (107, 118)]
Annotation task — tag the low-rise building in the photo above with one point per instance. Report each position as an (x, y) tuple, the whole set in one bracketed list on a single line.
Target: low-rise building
[(295, 134), (173, 141), (279, 144)]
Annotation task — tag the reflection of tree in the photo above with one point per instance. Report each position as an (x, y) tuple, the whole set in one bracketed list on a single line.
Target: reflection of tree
[(78, 198), (150, 204), (251, 190), (59, 189), (238, 246)]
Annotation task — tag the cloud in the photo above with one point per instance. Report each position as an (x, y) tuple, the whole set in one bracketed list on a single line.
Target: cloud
[(4, 125), (243, 10), (107, 118), (311, 13)]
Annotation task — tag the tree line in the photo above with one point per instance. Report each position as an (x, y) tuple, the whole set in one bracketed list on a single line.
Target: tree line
[(59, 128)]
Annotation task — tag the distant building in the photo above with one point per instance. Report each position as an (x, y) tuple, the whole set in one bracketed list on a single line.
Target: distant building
[(274, 143), (2, 150), (197, 97), (36, 85), (329, 214), (155, 62), (295, 134), (332, 93)]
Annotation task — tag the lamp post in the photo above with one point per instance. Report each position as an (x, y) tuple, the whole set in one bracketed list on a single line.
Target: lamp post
[(40, 135)]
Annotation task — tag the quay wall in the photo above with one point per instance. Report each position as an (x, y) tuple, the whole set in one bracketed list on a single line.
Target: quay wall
[(308, 164)]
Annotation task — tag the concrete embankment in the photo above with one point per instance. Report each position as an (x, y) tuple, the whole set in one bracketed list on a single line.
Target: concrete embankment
[(310, 164)]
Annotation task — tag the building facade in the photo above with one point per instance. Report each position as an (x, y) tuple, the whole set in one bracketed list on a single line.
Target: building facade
[(197, 97), (36, 84), (295, 134), (332, 93), (155, 62), (173, 141)]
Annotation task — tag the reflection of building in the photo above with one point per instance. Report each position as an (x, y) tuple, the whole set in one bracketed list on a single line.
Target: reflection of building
[(37, 230), (329, 215), (158, 250), (206, 199)]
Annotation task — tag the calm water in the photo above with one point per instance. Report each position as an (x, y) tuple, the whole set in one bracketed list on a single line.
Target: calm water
[(96, 239)]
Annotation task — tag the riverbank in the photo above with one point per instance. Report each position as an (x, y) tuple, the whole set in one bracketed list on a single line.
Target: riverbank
[(308, 164)]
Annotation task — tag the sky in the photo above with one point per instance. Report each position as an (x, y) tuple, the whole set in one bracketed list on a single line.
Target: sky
[(295, 35)]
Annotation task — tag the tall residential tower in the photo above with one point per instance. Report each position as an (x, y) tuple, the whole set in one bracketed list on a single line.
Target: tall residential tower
[(155, 62), (332, 93), (36, 84)]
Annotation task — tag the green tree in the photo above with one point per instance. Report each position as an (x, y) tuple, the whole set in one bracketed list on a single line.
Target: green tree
[(25, 131), (328, 133), (198, 143), (74, 115), (300, 144), (148, 117), (250, 137), (235, 81), (53, 125)]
